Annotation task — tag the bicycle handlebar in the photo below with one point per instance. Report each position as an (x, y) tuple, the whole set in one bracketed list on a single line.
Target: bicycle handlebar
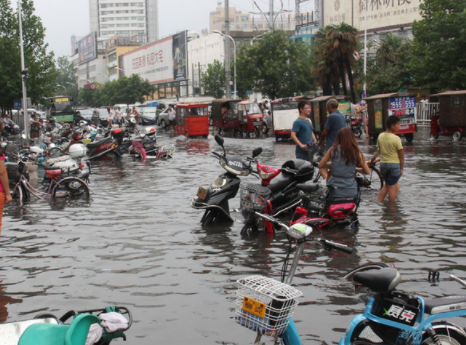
[(329, 245)]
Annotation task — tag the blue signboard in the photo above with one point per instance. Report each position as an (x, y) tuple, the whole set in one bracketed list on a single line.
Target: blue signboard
[(17, 105)]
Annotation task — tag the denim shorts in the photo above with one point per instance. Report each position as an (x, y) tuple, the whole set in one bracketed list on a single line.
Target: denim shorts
[(390, 172)]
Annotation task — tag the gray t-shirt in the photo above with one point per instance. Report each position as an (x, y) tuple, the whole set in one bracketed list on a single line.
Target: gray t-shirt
[(335, 122)]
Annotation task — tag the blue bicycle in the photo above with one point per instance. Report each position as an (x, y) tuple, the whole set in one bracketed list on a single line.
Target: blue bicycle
[(391, 317), (395, 317)]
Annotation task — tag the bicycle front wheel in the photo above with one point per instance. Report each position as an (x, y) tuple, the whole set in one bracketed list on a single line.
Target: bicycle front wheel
[(71, 187), (372, 181), (18, 195)]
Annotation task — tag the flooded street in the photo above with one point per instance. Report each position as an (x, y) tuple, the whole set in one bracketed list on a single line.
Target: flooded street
[(139, 244)]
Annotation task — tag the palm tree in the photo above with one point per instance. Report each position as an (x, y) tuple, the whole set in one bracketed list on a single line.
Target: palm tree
[(335, 45)]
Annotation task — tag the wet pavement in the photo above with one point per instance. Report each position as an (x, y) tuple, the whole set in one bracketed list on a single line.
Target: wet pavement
[(139, 244)]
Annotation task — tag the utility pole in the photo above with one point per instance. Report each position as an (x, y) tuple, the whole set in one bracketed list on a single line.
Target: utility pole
[(24, 74), (226, 43), (271, 24)]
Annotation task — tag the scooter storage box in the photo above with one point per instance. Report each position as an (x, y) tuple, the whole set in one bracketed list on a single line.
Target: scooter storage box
[(304, 169)]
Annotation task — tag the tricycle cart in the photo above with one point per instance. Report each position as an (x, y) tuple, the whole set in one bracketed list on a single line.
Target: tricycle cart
[(192, 119), (284, 113), (450, 120), (224, 116), (240, 118), (380, 107)]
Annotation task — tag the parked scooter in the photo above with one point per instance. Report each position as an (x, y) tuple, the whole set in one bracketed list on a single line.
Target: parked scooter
[(214, 200), (326, 211), (281, 190), (108, 146), (74, 327)]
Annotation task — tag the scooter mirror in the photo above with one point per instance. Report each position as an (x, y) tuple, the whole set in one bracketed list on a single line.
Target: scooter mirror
[(219, 140), (256, 152)]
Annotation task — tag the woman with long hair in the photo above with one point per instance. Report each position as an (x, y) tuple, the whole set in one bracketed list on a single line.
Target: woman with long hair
[(342, 159)]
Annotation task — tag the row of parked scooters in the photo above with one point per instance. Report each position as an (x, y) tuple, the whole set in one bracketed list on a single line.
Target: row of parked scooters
[(281, 190)]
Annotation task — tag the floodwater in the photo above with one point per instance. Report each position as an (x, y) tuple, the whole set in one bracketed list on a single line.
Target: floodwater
[(139, 244)]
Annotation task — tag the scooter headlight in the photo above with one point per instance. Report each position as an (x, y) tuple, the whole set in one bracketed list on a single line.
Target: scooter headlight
[(299, 231)]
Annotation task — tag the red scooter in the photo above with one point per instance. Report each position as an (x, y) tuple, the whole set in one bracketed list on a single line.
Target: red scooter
[(280, 191), (107, 146), (321, 212)]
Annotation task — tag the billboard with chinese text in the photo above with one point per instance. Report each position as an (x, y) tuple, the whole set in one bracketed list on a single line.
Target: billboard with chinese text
[(87, 48), (158, 62), (379, 13)]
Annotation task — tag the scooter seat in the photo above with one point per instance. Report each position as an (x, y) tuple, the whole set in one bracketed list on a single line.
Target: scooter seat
[(280, 182), (308, 188), (383, 280), (98, 143), (443, 304)]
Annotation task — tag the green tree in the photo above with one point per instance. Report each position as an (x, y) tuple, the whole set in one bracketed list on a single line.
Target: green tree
[(275, 66), (389, 71), (66, 78), (40, 64), (124, 90), (213, 79), (333, 53), (438, 59)]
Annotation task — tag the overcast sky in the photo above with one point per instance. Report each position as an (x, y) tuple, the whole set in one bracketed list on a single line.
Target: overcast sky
[(64, 18)]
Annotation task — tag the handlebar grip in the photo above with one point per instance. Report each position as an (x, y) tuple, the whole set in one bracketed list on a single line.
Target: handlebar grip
[(338, 246)]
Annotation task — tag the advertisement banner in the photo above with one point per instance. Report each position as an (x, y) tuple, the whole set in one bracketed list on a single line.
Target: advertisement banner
[(378, 114), (371, 14), (87, 48), (405, 108), (180, 56), (153, 62)]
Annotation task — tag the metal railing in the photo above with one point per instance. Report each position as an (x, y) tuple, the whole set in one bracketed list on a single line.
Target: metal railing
[(424, 112)]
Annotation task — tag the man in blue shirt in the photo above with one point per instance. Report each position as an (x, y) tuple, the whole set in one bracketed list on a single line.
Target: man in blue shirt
[(335, 122), (302, 132)]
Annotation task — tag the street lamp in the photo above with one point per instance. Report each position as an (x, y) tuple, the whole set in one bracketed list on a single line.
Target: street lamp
[(365, 50), (234, 57), (256, 37)]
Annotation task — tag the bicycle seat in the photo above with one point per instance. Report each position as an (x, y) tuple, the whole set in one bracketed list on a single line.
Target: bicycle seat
[(382, 280), (444, 304)]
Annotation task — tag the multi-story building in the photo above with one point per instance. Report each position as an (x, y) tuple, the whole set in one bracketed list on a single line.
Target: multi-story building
[(138, 18), (249, 22)]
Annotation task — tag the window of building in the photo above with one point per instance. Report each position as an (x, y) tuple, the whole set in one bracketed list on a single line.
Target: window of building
[(106, 5), (244, 18), (122, 25)]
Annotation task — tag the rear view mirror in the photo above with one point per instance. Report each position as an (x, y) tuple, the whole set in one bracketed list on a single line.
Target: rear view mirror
[(256, 152)]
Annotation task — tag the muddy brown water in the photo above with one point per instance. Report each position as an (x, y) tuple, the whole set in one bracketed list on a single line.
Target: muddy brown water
[(139, 244)]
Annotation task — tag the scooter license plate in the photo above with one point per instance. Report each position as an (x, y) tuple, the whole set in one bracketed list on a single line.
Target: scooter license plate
[(254, 307), (202, 193)]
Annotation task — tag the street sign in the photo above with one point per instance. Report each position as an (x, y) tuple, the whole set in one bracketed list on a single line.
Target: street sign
[(248, 92), (17, 105)]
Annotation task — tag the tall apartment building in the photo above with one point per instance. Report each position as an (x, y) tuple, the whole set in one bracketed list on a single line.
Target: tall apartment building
[(134, 18)]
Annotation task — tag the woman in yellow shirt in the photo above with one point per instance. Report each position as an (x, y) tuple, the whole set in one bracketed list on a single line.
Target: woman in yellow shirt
[(391, 159)]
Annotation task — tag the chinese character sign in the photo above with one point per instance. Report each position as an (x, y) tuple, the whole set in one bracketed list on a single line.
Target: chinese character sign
[(404, 107)]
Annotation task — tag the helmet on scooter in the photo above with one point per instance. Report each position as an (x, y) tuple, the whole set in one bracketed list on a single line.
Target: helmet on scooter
[(149, 131), (77, 136)]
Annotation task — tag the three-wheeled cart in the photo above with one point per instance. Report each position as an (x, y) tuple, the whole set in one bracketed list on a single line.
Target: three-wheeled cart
[(241, 118), (319, 111), (450, 120), (192, 119), (380, 107)]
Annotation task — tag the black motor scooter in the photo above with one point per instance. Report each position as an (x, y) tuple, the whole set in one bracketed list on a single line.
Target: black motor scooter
[(214, 200)]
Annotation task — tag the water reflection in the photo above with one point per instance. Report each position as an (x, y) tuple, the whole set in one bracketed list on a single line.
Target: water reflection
[(139, 244)]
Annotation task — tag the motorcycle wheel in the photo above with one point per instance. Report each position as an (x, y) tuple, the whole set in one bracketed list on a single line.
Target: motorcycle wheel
[(55, 152), (457, 135), (447, 334), (71, 187), (357, 131)]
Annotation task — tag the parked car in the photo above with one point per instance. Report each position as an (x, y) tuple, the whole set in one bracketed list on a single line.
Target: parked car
[(148, 115), (162, 119), (86, 113)]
